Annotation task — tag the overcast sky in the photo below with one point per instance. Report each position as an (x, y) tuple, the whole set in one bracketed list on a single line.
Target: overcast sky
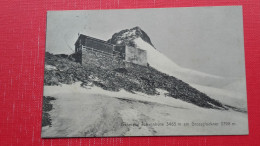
[(207, 39)]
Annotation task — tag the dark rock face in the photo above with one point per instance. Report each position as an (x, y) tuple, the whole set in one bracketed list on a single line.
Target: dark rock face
[(126, 36), (47, 106), (132, 78)]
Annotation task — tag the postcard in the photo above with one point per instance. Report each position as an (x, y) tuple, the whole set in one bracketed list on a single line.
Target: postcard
[(145, 72)]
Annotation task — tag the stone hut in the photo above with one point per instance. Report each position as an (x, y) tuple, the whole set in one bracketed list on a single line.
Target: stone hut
[(91, 50)]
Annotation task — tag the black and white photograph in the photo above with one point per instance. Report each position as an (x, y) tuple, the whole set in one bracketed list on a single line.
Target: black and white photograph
[(145, 72)]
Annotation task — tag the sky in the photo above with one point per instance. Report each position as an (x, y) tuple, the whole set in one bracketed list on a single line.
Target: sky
[(206, 39)]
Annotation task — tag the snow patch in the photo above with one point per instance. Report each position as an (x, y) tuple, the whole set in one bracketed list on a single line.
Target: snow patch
[(80, 112), (50, 67)]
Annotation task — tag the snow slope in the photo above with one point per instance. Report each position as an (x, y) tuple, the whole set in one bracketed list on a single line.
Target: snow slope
[(94, 112), (225, 96), (216, 87), (223, 89), (165, 65)]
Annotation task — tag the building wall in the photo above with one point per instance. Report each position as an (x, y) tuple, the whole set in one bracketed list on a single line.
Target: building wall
[(120, 50), (93, 51), (136, 56), (78, 56), (93, 58), (100, 46)]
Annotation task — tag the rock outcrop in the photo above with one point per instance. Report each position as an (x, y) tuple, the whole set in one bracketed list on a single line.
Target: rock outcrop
[(126, 36)]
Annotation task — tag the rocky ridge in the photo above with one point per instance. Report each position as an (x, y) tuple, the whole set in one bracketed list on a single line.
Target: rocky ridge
[(60, 69), (126, 37)]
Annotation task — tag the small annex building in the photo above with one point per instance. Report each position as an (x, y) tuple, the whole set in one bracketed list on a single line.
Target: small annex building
[(93, 50)]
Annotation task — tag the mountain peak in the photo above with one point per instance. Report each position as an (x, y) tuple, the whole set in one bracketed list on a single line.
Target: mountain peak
[(126, 36), (136, 28)]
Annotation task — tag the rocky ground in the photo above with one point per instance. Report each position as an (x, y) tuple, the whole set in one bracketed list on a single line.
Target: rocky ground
[(134, 78), (47, 106)]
